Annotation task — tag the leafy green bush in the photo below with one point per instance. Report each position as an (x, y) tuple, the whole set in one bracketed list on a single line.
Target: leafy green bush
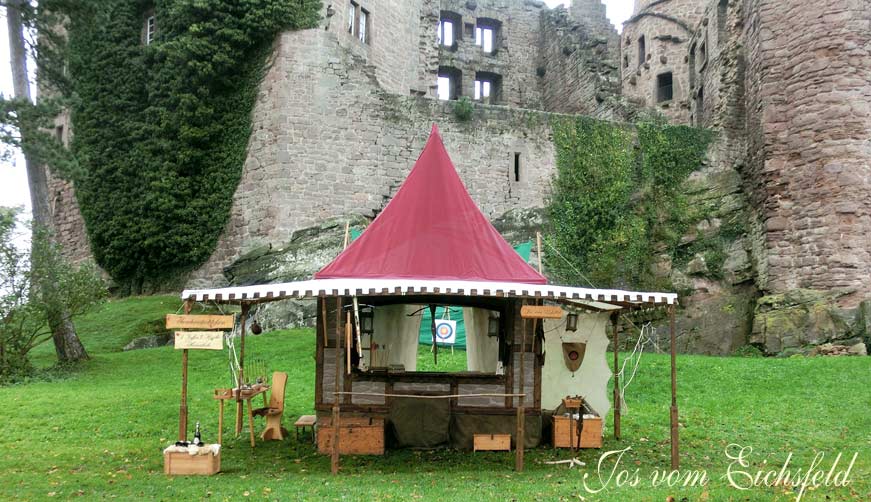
[(463, 109), (161, 129), (24, 309), (617, 200)]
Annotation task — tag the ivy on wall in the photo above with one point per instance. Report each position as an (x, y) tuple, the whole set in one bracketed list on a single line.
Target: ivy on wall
[(161, 129), (617, 200)]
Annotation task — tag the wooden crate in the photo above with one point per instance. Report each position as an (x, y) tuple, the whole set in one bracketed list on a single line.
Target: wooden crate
[(357, 436), (182, 464), (492, 442), (565, 432)]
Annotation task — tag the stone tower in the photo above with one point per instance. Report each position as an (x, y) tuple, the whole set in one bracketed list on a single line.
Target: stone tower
[(654, 52)]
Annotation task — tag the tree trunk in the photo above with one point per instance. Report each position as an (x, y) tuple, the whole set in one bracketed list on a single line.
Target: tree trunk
[(67, 344)]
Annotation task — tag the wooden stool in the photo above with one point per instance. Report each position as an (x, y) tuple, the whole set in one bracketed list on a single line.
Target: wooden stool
[(305, 421)]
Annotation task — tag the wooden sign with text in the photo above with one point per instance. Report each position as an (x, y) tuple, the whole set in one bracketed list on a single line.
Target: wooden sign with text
[(540, 312), (175, 321), (201, 340)]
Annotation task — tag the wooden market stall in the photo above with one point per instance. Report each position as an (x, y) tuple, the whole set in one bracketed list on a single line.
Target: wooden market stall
[(431, 246)]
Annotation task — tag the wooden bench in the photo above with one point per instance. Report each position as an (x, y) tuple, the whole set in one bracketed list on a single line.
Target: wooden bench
[(305, 421), (492, 442)]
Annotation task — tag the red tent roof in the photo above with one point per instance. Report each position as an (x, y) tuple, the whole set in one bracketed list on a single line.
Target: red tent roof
[(432, 229)]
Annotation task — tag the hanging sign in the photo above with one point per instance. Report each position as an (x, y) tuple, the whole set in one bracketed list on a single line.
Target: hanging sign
[(540, 312), (446, 331), (175, 321), (203, 340), (573, 355)]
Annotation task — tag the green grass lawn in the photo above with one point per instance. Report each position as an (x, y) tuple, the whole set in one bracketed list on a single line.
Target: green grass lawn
[(99, 433)]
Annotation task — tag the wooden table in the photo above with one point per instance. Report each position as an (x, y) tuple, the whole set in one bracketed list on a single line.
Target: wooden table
[(247, 395)]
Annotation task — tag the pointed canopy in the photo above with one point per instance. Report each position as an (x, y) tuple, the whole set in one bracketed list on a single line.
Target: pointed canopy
[(432, 229)]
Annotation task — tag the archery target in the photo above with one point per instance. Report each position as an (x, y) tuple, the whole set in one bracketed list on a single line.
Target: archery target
[(446, 331)]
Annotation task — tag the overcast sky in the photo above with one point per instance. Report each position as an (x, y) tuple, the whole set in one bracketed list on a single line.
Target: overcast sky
[(13, 179)]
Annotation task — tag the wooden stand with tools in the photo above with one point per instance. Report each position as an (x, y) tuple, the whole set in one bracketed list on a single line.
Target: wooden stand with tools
[(183, 463)]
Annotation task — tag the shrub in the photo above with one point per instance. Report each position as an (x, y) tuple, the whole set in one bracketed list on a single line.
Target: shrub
[(23, 309)]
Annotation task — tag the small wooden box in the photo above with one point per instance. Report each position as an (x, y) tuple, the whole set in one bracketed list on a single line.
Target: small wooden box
[(492, 442), (565, 432), (572, 403), (357, 436), (183, 464)]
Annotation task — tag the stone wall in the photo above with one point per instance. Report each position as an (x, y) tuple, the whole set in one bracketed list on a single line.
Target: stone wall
[(328, 141), (809, 113), (666, 27), (514, 53), (578, 64)]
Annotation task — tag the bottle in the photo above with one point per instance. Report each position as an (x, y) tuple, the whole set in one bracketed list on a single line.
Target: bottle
[(197, 439)]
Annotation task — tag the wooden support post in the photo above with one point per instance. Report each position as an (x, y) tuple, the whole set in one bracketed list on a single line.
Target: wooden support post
[(220, 421), (435, 345), (520, 433), (675, 455), (615, 323), (243, 319), (324, 322), (520, 439), (183, 407), (348, 343), (334, 457)]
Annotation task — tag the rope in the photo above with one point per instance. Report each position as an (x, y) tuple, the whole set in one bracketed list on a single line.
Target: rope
[(635, 360), (569, 263), (379, 394)]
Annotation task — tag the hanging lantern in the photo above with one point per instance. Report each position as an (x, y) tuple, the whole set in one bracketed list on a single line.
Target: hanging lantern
[(367, 320), (256, 328), (572, 322), (493, 325)]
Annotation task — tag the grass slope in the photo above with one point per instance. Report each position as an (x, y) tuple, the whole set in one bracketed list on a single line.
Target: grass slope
[(100, 432)]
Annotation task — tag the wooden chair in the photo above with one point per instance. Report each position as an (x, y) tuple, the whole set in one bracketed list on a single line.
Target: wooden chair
[(275, 410)]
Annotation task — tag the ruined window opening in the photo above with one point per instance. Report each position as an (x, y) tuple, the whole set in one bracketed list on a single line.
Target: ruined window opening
[(358, 22), (721, 21), (487, 87), (692, 63), (486, 33), (450, 26), (59, 134), (482, 89), (469, 30), (449, 83), (149, 27), (642, 50), (625, 61), (362, 31), (446, 33), (700, 106), (664, 87), (516, 166), (703, 54)]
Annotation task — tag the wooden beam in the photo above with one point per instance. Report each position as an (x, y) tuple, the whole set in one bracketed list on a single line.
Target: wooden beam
[(334, 457), (187, 321), (615, 321), (183, 407), (675, 454), (243, 319)]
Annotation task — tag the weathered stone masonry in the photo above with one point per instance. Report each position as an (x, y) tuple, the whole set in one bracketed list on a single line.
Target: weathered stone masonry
[(339, 121)]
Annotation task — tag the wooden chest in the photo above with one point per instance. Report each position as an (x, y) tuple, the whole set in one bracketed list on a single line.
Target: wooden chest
[(565, 432), (357, 436), (181, 464), (492, 442)]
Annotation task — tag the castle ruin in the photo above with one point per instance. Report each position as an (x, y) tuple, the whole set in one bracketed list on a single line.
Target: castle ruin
[(345, 108)]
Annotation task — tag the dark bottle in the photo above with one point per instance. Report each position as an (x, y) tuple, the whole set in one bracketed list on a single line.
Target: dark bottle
[(198, 441)]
